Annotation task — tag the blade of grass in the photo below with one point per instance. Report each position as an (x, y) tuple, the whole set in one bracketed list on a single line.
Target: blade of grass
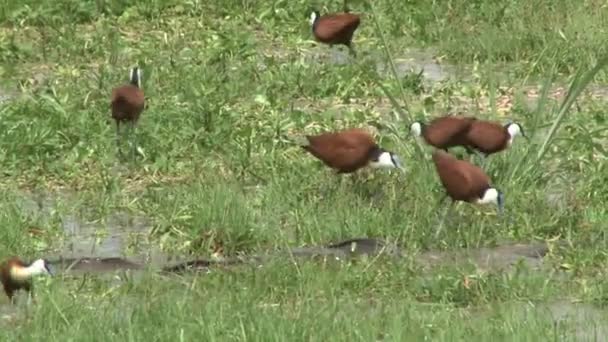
[(580, 82), (404, 113), (542, 100), (395, 104)]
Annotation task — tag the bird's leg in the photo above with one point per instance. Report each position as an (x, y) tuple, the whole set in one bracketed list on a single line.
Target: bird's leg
[(480, 155), (11, 297), (484, 160), (31, 299), (354, 177), (469, 150), (30, 294), (351, 49), (118, 138), (133, 139), (442, 220)]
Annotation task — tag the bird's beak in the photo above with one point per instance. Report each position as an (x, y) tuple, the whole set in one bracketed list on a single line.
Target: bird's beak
[(397, 163), (525, 136), (500, 203), (50, 270)]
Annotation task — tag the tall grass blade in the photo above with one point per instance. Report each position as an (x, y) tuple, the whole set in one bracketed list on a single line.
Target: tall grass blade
[(579, 83), (405, 114)]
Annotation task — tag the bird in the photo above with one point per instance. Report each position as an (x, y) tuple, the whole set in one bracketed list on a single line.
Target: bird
[(444, 132), (335, 29), (349, 150), (127, 103), (479, 137), (489, 137), (16, 275), (465, 182)]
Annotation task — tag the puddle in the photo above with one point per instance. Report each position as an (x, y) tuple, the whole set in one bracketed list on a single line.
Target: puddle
[(348, 249), (486, 258), (102, 246), (121, 241), (344, 250), (366, 246), (416, 61), (412, 61), (93, 265)]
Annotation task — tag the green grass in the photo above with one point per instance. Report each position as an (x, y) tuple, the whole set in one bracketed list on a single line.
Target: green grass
[(227, 83)]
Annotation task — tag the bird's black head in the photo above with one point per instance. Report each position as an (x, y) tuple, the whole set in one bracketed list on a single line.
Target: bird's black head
[(513, 128), (48, 268), (38, 267), (380, 158), (135, 77)]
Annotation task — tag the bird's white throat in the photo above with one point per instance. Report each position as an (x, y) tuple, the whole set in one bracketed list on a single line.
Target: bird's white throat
[(489, 197), (22, 274)]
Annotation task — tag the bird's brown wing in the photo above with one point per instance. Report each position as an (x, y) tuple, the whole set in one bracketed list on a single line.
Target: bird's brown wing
[(486, 136), (453, 175), (478, 180), (336, 27), (342, 150), (126, 101), (448, 131)]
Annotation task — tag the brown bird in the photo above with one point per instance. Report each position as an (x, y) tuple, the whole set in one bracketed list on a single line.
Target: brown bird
[(476, 136), (335, 29), (127, 104), (444, 132), (16, 275), (349, 150), (489, 137), (465, 182)]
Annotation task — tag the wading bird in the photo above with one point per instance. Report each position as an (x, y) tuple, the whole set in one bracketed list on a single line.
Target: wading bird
[(489, 137), (16, 275), (349, 150), (476, 136), (465, 182), (127, 104), (443, 132), (335, 29)]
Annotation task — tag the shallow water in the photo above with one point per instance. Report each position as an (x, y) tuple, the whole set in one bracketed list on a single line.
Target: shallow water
[(501, 257), (119, 235), (122, 242), (415, 61), (410, 61)]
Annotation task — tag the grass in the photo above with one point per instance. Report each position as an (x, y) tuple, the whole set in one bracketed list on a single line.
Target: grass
[(227, 83)]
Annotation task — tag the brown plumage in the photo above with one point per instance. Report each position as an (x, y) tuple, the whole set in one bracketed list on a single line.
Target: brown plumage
[(444, 132), (464, 182), (127, 103), (349, 150), (474, 135), (490, 137), (16, 275), (334, 29)]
